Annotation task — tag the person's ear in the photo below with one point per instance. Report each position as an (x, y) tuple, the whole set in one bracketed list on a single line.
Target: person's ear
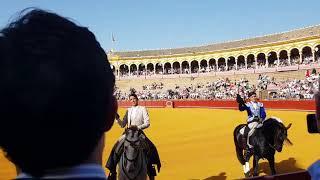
[(111, 114)]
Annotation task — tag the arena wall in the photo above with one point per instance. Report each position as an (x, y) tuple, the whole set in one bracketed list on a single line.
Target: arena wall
[(301, 105)]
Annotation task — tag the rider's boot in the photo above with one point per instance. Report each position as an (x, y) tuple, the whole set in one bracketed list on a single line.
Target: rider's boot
[(247, 150), (247, 153)]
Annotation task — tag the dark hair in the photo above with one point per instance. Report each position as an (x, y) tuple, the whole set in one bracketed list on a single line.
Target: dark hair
[(251, 94), (56, 91), (134, 95)]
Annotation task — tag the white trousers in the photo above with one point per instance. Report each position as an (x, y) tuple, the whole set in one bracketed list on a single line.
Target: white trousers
[(252, 126)]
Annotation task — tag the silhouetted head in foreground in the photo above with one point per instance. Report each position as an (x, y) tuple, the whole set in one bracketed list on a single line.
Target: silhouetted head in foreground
[(56, 93)]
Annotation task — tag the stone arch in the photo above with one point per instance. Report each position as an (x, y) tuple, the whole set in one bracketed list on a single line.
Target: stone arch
[(307, 55), (221, 64), (231, 62), (185, 67), (283, 58), (158, 68), (150, 68), (203, 65), (167, 68), (123, 70), (141, 69), (194, 66), (261, 60), (241, 62), (212, 64), (133, 69), (176, 68), (294, 56), (251, 64), (272, 59)]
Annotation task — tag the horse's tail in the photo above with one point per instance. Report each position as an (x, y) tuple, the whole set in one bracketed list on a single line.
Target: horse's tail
[(238, 148)]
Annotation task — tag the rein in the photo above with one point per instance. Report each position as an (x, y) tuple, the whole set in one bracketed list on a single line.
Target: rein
[(125, 172), (272, 146), (131, 160)]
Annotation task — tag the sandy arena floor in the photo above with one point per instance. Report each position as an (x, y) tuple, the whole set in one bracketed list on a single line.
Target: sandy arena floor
[(198, 144)]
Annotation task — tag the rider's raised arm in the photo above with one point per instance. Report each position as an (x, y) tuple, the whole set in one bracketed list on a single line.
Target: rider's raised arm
[(243, 107), (146, 122), (124, 122), (240, 101)]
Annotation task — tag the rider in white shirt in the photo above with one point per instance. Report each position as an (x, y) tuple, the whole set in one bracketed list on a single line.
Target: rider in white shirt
[(136, 117)]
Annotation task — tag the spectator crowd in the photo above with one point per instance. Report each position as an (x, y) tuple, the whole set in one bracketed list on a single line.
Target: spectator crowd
[(222, 89)]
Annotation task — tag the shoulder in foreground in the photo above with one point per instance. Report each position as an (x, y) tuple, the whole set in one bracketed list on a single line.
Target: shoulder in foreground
[(314, 170), (260, 104)]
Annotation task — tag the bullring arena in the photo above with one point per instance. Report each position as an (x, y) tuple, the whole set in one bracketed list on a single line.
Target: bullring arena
[(190, 94)]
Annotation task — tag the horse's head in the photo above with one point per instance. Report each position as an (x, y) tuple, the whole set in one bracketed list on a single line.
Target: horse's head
[(281, 135), (133, 145)]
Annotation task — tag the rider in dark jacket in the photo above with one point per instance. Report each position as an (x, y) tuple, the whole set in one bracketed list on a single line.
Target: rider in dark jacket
[(256, 114)]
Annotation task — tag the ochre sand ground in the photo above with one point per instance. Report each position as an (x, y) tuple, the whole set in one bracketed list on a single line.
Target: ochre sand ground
[(198, 144)]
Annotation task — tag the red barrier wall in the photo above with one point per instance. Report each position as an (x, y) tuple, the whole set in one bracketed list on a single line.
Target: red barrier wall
[(306, 105), (160, 104)]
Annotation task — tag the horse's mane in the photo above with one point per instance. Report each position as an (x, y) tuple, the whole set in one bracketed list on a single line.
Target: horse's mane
[(271, 126), (273, 122)]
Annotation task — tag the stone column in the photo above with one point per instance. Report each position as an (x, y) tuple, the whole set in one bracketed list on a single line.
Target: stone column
[(171, 68), (226, 61), (289, 58), (236, 64), (314, 55), (246, 62), (255, 61), (162, 69), (217, 65), (300, 56), (278, 60)]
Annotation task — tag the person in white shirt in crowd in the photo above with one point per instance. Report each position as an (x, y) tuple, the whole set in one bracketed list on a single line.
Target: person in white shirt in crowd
[(136, 117)]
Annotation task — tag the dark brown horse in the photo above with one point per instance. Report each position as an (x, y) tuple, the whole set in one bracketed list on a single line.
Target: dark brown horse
[(266, 140)]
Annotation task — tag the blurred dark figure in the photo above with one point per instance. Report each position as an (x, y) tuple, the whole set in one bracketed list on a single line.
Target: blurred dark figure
[(56, 97), (314, 169)]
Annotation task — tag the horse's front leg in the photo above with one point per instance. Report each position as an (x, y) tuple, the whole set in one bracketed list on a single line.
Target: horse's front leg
[(255, 165), (271, 164)]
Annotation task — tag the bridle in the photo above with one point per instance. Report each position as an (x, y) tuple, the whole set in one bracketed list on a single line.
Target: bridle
[(132, 143), (275, 139)]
